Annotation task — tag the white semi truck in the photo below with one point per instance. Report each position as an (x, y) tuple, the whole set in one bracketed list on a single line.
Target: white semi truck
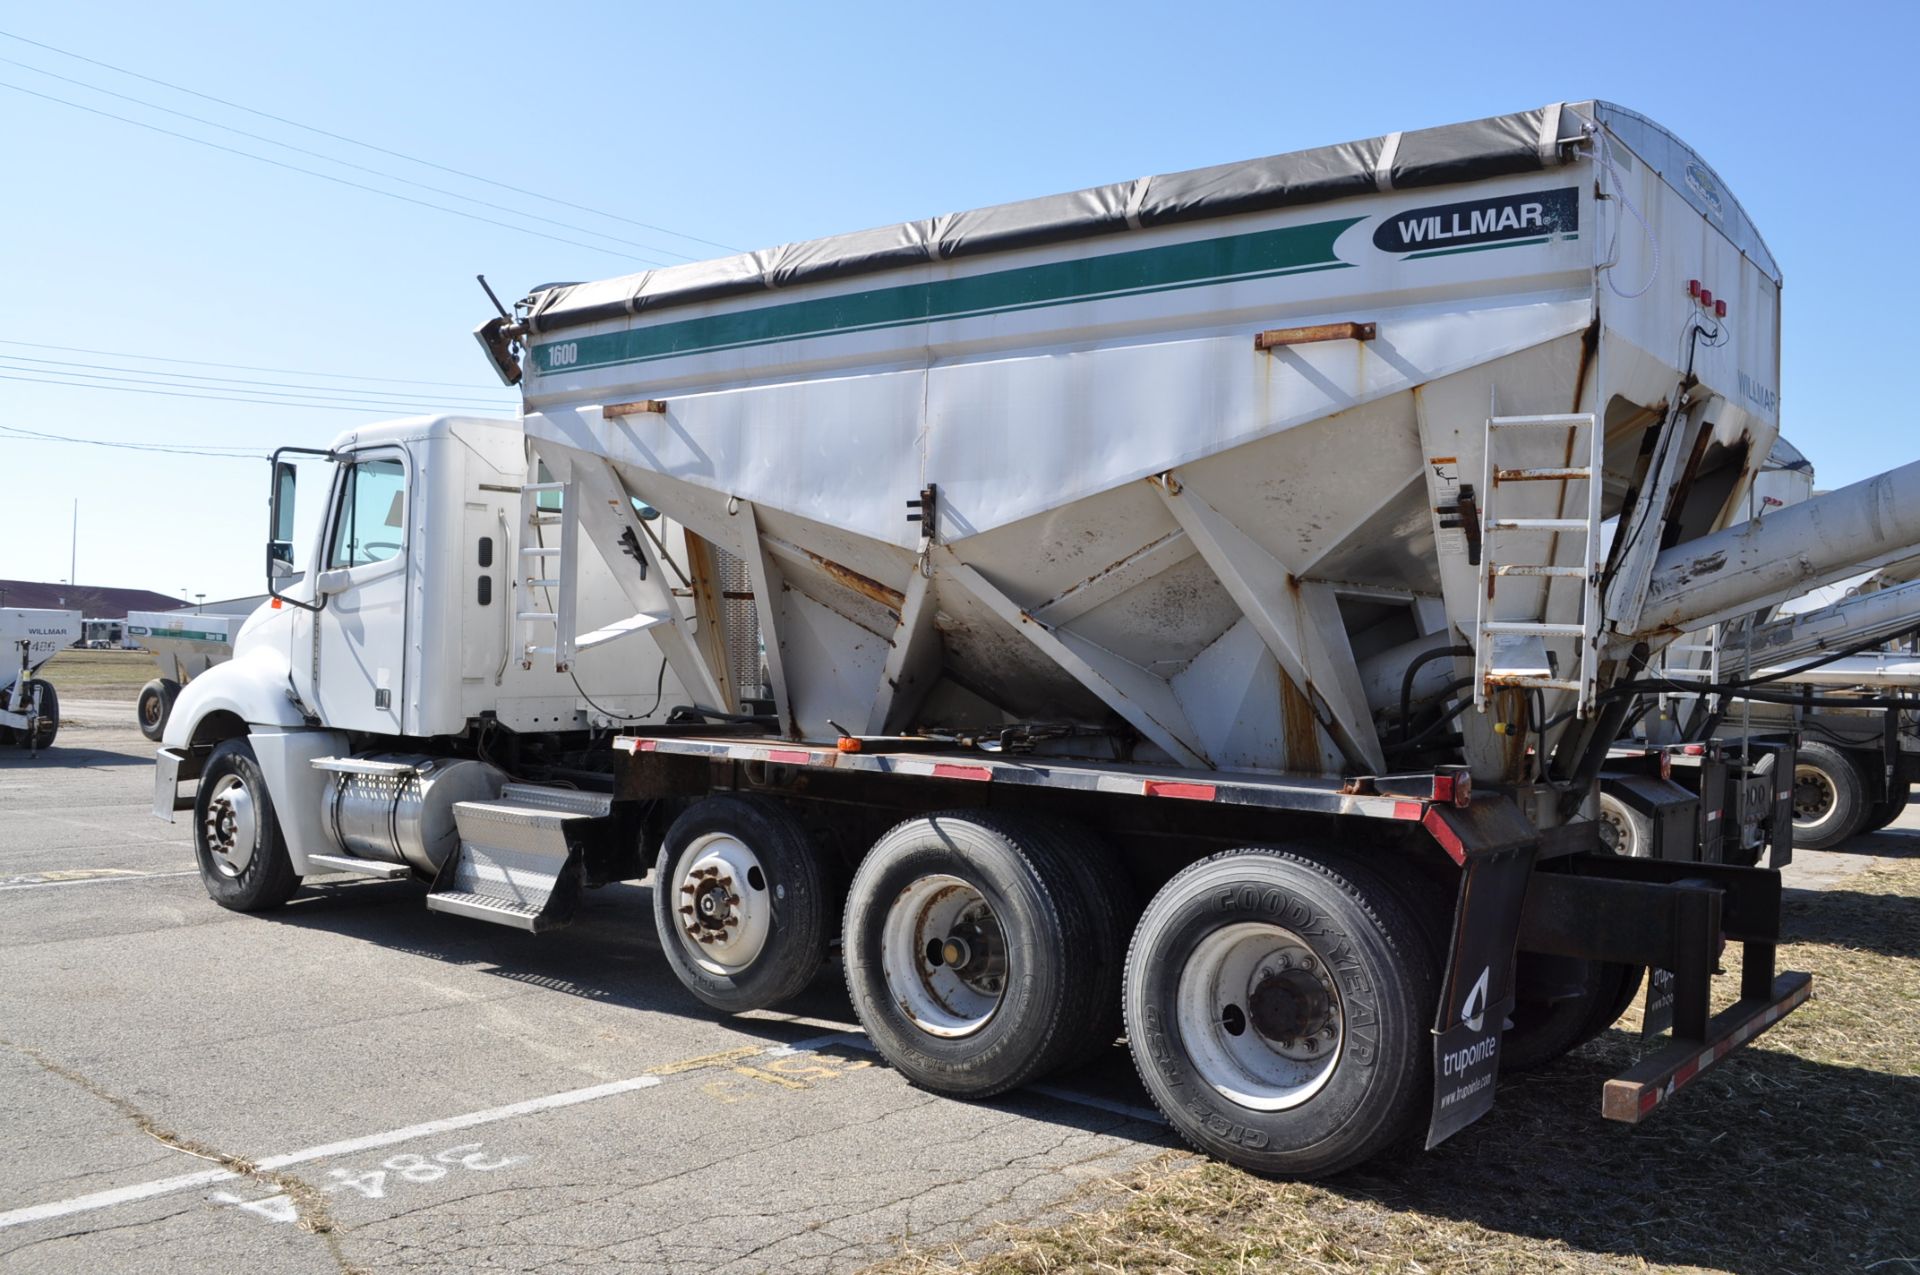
[(29, 706), (1176, 608)]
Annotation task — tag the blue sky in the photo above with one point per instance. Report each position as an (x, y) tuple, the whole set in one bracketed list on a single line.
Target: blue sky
[(749, 125)]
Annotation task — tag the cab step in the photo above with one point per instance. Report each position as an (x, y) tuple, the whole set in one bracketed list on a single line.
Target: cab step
[(519, 859), (363, 867)]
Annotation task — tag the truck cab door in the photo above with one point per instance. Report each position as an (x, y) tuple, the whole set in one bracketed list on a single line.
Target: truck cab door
[(360, 632)]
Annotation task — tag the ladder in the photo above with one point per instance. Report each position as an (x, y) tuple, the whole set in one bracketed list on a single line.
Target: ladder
[(1513, 653), (1705, 642), (546, 609)]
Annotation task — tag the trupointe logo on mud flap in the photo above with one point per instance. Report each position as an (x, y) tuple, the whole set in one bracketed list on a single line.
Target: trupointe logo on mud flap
[(1508, 218)]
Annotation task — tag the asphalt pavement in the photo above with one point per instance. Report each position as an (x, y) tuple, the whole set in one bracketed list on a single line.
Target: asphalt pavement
[(355, 1083)]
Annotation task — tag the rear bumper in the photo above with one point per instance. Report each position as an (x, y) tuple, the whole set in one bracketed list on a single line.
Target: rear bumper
[(1635, 1093), (171, 767)]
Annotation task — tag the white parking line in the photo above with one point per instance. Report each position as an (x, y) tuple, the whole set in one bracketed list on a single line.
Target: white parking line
[(117, 875), (166, 1186), (491, 1115)]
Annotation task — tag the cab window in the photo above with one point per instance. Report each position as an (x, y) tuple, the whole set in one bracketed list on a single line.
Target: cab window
[(370, 524)]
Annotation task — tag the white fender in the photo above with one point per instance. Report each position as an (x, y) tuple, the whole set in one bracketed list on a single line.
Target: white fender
[(254, 687)]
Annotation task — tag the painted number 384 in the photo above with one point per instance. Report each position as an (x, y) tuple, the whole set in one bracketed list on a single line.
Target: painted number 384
[(374, 1184)]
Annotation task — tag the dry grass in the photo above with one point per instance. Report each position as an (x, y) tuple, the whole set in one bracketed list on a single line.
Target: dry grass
[(1801, 1153), (100, 674)]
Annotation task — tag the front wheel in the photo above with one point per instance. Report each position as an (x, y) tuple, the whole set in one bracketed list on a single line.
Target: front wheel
[(1278, 1007), (236, 835), (39, 697), (740, 903)]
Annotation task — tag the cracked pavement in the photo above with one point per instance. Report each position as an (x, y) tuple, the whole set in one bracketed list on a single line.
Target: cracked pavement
[(356, 1084)]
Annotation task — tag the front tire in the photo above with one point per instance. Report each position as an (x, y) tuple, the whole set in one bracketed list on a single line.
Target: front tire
[(740, 903), (155, 706), (1278, 1009), (236, 835), (1829, 797)]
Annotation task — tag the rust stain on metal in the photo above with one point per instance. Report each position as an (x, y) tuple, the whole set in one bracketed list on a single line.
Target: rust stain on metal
[(1300, 733), (1359, 786), (1567, 473), (611, 411), (1514, 706), (1589, 346), (1274, 338), (866, 586)]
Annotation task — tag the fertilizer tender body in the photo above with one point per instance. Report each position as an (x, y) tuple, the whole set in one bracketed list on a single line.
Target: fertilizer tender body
[(29, 706), (1177, 608)]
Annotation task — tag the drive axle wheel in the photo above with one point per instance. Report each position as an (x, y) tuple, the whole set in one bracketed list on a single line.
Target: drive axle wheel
[(1278, 1006), (1829, 798), (972, 957), (739, 903), (236, 835)]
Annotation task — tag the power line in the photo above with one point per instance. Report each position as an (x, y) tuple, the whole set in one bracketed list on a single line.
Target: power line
[(370, 409), (321, 155), (209, 450), (311, 391), (241, 367), (354, 141), (349, 397), (342, 181)]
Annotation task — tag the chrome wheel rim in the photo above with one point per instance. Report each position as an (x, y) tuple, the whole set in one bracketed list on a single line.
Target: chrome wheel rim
[(1813, 795), (1616, 830), (724, 904), (1261, 1016), (944, 956), (231, 825)]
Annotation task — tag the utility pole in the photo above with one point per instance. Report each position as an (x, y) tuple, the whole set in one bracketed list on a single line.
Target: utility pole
[(73, 559)]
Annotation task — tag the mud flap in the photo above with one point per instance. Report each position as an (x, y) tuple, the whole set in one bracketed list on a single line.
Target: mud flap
[(1495, 847)]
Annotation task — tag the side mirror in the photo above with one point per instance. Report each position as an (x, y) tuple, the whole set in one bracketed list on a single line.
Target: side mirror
[(280, 525), (280, 522), (285, 479)]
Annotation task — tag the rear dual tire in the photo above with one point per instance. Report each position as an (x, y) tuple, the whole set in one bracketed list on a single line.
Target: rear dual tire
[(982, 950), (1277, 1005)]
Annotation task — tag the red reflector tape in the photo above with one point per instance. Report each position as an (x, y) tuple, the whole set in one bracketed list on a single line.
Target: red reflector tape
[(1408, 810), (947, 770), (799, 756), (1174, 788)]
